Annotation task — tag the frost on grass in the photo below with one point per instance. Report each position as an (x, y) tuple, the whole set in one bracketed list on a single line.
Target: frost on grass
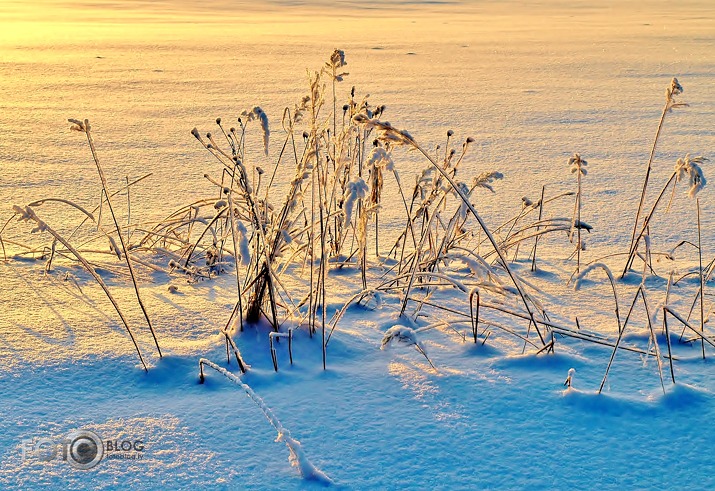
[(569, 378), (244, 250), (356, 190), (486, 179), (690, 167), (588, 269), (404, 335), (258, 114), (297, 457)]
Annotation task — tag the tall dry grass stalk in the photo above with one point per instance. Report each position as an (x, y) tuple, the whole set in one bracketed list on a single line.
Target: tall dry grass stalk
[(675, 89), (577, 166), (687, 167), (85, 127)]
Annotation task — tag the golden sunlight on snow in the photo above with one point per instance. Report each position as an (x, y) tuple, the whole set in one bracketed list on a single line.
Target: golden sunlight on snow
[(61, 21)]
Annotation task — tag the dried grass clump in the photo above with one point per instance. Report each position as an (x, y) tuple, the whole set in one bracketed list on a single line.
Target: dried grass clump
[(341, 157)]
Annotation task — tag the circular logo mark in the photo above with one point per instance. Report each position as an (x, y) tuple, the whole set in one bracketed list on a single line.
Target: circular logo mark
[(85, 449)]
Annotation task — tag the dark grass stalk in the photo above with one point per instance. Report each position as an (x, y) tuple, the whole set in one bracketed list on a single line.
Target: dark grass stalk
[(194, 245), (377, 235), (311, 304), (418, 251), (649, 166), (702, 282), (407, 210), (641, 202), (686, 324), (630, 310), (654, 339), (514, 223), (415, 193), (667, 338), (2, 243), (242, 365), (129, 212), (673, 90), (622, 332), (536, 240), (274, 357), (4, 252), (474, 318), (613, 355), (272, 298), (577, 164), (648, 218), (578, 229), (666, 302), (323, 261), (234, 238), (362, 244), (48, 264), (86, 129)]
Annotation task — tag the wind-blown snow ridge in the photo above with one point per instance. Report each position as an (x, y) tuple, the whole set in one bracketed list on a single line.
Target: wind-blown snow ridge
[(297, 457)]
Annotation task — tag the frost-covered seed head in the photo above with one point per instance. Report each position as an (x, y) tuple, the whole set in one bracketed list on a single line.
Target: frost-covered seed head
[(690, 167), (77, 125), (675, 87), (338, 58), (577, 164)]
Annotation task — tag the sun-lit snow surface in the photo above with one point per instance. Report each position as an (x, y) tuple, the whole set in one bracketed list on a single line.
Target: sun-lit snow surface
[(531, 84)]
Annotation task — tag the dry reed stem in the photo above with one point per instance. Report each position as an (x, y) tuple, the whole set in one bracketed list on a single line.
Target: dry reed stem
[(29, 214), (87, 131)]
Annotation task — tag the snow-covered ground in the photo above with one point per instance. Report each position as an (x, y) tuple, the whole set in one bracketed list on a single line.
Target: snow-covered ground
[(532, 84)]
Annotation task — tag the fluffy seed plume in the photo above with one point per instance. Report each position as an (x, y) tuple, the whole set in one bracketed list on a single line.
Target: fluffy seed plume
[(690, 167), (258, 114)]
